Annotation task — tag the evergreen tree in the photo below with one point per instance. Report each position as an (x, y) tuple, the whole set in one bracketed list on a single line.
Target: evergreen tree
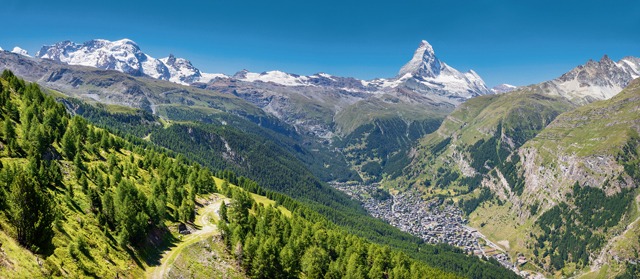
[(240, 205), (9, 132), (79, 146), (32, 211), (84, 184), (104, 141), (108, 206), (68, 145), (315, 262), (223, 212), (175, 194), (77, 161)]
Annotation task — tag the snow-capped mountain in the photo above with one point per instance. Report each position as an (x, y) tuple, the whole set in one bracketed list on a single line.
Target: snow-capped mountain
[(124, 56), (502, 88), (595, 80), (181, 71), (20, 51), (425, 74)]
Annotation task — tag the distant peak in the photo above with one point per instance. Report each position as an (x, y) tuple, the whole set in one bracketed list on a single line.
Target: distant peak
[(125, 41), (424, 62), (605, 58), (171, 59), (20, 51), (426, 48), (241, 74), (503, 88)]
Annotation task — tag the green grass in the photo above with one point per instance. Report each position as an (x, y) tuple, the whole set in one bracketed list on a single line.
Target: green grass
[(203, 258), (15, 261), (365, 111), (477, 119), (606, 130)]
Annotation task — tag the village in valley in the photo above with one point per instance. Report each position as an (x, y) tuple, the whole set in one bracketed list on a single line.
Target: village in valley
[(435, 221)]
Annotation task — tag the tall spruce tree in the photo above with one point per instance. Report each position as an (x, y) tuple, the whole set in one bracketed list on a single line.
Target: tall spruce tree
[(32, 211)]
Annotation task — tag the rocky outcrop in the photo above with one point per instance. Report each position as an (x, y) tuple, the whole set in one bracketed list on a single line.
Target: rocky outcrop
[(595, 80)]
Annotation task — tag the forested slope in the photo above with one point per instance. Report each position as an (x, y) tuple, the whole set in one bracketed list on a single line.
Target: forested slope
[(104, 205), (265, 162)]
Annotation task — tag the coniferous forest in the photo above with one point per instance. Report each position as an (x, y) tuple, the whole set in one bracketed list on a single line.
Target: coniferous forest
[(88, 200)]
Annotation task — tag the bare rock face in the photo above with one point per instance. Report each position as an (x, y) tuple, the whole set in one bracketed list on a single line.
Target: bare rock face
[(595, 80), (586, 145)]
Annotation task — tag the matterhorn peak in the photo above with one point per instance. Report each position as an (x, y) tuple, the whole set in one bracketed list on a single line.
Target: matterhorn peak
[(428, 49), (424, 62), (20, 51)]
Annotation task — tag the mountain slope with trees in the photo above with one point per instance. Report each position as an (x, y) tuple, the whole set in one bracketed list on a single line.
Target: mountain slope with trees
[(558, 187), (104, 205)]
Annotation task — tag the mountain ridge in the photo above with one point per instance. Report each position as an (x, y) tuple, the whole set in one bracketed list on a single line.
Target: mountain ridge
[(125, 55)]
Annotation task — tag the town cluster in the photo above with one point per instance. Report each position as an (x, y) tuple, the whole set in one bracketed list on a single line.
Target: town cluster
[(435, 221)]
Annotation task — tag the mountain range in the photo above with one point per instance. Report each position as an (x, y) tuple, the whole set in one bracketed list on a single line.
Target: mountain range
[(511, 157), (559, 165), (308, 102), (124, 56), (424, 73)]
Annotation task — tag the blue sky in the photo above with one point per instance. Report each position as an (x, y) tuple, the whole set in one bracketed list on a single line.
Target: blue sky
[(516, 42)]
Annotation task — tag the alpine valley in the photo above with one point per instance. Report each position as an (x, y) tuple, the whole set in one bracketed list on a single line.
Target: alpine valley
[(115, 163)]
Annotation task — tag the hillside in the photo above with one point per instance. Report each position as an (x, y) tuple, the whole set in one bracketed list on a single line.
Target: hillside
[(106, 205), (479, 118), (562, 182), (377, 129), (585, 161), (113, 87), (202, 147), (478, 136)]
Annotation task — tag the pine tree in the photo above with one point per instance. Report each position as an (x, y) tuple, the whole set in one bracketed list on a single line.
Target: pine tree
[(112, 162), (174, 194), (104, 141), (70, 191), (289, 262), (83, 183), (91, 136), (68, 145), (100, 182), (9, 132), (12, 110), (315, 262), (32, 211), (77, 161), (108, 206), (79, 146), (223, 212), (51, 123), (224, 188)]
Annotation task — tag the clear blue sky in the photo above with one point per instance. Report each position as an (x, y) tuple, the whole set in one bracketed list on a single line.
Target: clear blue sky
[(516, 42)]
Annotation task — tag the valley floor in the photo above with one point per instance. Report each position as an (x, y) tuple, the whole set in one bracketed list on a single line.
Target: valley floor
[(434, 222)]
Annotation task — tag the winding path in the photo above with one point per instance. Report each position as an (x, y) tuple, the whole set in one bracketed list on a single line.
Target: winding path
[(208, 228)]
